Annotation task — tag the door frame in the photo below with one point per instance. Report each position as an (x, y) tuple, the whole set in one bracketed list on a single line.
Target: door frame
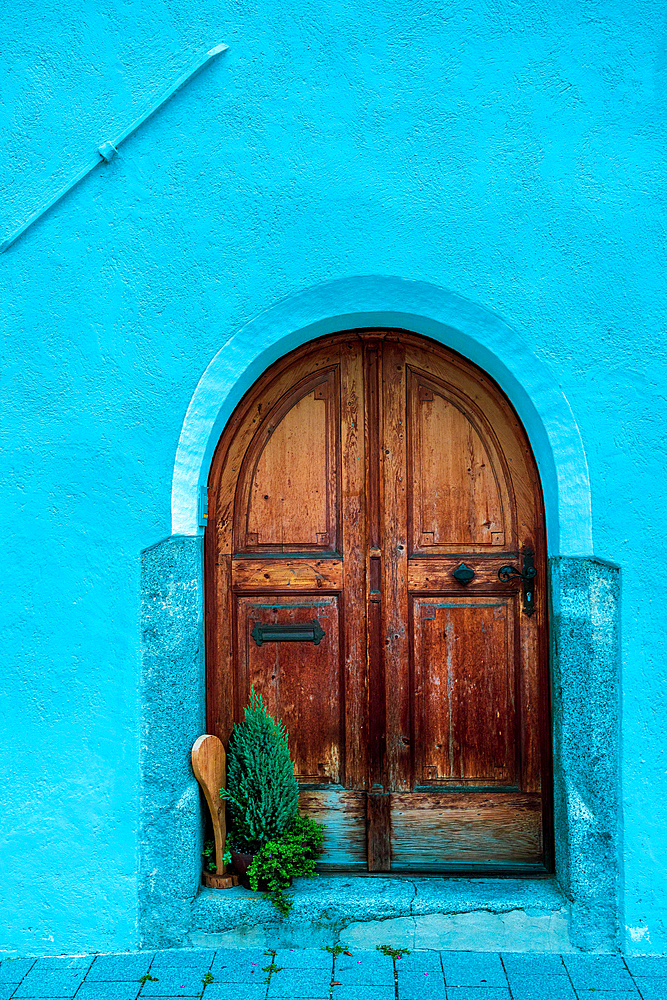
[(584, 596)]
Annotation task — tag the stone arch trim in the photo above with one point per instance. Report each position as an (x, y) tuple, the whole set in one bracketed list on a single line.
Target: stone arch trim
[(457, 323)]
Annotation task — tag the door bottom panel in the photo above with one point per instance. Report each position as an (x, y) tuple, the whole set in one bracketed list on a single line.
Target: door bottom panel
[(431, 831)]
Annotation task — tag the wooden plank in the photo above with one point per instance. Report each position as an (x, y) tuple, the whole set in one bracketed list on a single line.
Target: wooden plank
[(434, 574), (377, 820), (221, 684), (435, 830), (300, 573), (343, 813), (378, 831), (395, 627), (353, 509)]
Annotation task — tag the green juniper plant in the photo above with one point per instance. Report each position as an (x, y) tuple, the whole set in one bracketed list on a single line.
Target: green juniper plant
[(262, 796), (262, 792)]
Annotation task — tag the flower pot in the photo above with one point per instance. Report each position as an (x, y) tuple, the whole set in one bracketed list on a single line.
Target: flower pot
[(242, 863)]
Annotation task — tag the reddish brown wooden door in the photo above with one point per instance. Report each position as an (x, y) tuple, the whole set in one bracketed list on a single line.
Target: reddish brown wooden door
[(350, 483)]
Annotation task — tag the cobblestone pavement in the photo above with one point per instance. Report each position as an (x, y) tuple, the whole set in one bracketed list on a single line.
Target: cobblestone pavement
[(313, 974)]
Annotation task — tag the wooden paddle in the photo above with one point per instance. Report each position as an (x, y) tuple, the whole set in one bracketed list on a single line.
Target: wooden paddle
[(209, 765)]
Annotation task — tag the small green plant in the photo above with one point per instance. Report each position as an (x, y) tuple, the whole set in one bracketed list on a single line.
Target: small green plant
[(270, 969), (147, 978), (208, 854), (336, 950), (207, 978), (262, 792), (390, 952), (292, 855)]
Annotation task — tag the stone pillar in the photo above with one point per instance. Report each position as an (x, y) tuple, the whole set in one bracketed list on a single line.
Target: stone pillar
[(173, 716), (585, 670)]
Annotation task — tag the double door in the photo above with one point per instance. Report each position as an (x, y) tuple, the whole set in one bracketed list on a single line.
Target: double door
[(376, 569)]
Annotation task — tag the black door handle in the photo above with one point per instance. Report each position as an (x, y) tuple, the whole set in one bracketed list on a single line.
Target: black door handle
[(507, 573)]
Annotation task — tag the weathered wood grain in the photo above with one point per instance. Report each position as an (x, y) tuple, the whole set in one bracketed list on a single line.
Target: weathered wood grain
[(433, 831), (343, 813), (293, 573)]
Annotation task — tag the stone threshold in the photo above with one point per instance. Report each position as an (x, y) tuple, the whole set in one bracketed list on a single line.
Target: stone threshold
[(448, 913)]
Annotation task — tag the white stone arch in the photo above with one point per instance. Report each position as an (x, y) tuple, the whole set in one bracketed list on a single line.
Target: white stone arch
[(373, 300), (582, 901)]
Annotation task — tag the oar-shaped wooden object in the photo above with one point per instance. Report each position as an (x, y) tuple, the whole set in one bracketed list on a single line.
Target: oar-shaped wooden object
[(209, 764)]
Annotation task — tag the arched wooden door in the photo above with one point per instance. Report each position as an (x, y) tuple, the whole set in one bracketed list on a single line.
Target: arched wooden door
[(355, 487)]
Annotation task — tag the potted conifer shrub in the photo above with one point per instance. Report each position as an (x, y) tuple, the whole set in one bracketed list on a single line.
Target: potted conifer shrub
[(270, 841)]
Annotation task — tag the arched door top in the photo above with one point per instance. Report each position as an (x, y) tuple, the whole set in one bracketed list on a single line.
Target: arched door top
[(376, 301)]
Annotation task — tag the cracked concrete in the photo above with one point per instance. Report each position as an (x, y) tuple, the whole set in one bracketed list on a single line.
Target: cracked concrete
[(418, 913)]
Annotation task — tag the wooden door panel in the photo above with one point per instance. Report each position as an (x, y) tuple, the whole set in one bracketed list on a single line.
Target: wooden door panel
[(291, 676), (464, 691), (459, 498), (288, 488), (440, 831)]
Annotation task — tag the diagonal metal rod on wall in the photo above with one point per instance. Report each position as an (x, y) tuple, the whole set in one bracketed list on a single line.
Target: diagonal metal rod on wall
[(108, 150)]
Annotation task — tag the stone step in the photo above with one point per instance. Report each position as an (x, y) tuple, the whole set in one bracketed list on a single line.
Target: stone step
[(457, 914)]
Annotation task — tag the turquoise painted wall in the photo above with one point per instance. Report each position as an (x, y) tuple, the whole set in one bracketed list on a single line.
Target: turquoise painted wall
[(510, 153)]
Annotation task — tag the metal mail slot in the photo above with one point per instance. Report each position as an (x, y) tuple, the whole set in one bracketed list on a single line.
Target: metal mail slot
[(299, 632)]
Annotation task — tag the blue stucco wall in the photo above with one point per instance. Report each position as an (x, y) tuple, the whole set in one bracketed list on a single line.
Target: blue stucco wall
[(510, 153)]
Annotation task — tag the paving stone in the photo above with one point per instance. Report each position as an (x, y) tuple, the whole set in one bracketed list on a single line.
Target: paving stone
[(119, 968), (419, 961), (464, 968), (648, 966), (360, 992), (598, 972), (171, 981), (108, 991), (541, 987), (237, 991), (294, 983), (6, 990), (234, 966), (195, 960), (63, 963), (651, 989), (12, 970), (532, 965), (416, 985), (477, 993), (364, 969), (420, 983), (181, 956), (303, 958), (594, 994), (48, 983)]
